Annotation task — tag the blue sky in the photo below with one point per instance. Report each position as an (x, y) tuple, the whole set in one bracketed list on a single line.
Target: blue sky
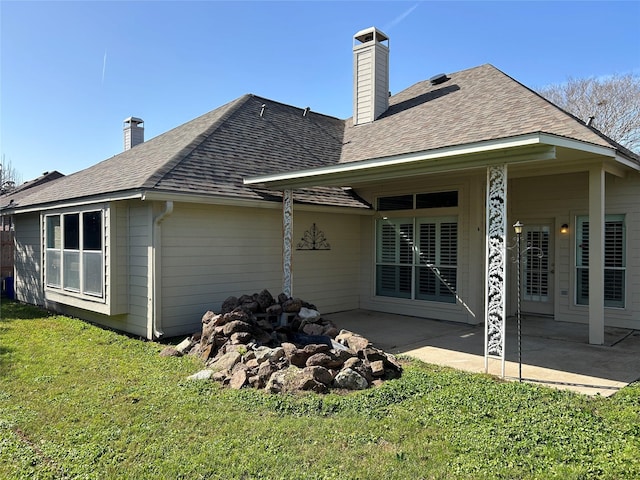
[(72, 71)]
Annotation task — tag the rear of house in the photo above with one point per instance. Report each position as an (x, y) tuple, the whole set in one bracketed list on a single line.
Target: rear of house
[(405, 208)]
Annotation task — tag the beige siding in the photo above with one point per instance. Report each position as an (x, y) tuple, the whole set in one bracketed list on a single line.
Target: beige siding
[(28, 279), (328, 278), (211, 253), (562, 198)]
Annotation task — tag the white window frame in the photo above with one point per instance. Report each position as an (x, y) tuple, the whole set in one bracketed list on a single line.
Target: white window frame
[(582, 262), (408, 261), (62, 282)]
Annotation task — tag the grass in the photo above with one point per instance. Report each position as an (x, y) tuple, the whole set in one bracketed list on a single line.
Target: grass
[(77, 401)]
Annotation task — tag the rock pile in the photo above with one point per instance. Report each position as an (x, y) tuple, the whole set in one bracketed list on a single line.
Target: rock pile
[(283, 345)]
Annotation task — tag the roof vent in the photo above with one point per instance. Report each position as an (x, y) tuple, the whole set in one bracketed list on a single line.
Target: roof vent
[(438, 79)]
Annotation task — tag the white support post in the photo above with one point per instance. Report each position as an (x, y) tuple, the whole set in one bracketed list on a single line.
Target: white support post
[(495, 294), (596, 255), (287, 241)]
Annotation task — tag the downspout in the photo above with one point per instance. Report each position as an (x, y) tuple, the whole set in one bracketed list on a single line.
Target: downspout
[(156, 266)]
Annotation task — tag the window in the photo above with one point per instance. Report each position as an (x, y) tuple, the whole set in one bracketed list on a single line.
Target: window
[(417, 258), (614, 261), (421, 200), (74, 253)]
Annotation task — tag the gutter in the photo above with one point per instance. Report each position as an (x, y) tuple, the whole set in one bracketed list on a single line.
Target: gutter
[(154, 329)]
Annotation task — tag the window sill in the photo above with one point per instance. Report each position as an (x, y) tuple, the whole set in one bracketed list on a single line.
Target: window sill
[(86, 302)]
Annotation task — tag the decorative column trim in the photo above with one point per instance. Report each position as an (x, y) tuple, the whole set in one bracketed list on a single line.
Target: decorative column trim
[(287, 241), (495, 294)]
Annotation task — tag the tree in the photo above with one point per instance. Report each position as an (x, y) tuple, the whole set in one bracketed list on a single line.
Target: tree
[(9, 176), (611, 104)]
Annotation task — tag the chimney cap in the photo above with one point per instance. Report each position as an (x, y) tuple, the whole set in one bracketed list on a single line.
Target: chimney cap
[(369, 34), (133, 120)]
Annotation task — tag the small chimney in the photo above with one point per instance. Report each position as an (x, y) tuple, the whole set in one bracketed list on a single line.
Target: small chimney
[(133, 132), (370, 75)]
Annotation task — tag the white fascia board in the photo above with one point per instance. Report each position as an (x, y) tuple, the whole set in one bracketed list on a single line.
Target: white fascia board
[(74, 203), (460, 150), (247, 203), (557, 141)]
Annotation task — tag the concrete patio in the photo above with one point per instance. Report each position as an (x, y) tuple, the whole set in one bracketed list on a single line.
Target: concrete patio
[(556, 354)]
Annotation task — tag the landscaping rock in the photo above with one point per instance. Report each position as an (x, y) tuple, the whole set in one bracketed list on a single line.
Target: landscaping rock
[(201, 375), (350, 379), (283, 345)]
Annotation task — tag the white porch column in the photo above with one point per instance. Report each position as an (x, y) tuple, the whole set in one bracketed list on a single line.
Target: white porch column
[(596, 255), (495, 294), (287, 240)]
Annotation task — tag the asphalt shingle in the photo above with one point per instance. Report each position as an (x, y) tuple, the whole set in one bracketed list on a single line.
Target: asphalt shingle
[(252, 136)]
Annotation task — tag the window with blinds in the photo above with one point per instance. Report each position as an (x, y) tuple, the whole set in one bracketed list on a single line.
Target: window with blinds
[(536, 265), (417, 258), (614, 261), (74, 252)]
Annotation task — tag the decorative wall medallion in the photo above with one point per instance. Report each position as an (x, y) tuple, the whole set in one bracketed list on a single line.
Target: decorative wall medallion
[(313, 239)]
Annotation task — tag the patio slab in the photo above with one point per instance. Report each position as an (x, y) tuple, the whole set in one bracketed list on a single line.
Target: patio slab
[(555, 354)]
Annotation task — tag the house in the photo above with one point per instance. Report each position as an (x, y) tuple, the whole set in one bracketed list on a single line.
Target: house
[(406, 207)]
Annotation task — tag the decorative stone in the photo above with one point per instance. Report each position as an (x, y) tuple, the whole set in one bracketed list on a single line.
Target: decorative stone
[(238, 379), (313, 329), (264, 300), (170, 352), (241, 338), (377, 368), (235, 326), (320, 359), (226, 361), (201, 375), (229, 305), (355, 342), (292, 305), (208, 315), (350, 379), (275, 309)]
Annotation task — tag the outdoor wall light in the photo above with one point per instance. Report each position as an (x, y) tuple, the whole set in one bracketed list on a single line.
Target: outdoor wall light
[(518, 227), (564, 229)]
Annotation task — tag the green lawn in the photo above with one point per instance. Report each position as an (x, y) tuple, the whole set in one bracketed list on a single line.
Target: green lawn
[(77, 401)]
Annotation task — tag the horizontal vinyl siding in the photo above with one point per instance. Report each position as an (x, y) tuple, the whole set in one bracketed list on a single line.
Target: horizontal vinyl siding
[(211, 253), (563, 197), (328, 279), (28, 258)]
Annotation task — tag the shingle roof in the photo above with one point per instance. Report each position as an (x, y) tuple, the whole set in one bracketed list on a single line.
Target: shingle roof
[(474, 105), (253, 136), (211, 154)]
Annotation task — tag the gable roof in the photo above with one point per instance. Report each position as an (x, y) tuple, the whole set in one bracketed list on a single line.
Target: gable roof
[(253, 137)]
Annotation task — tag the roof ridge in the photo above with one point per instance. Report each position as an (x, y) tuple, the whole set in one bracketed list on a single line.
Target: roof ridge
[(185, 151)]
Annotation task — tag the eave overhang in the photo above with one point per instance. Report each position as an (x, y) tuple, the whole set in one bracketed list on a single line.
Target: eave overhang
[(530, 148)]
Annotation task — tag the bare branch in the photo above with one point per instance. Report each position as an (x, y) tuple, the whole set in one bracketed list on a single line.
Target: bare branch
[(613, 103)]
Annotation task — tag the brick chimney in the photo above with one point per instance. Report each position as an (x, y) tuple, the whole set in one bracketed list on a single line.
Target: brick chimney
[(133, 132), (370, 75)]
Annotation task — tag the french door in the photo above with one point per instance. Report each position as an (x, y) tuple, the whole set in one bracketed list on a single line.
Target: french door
[(536, 276)]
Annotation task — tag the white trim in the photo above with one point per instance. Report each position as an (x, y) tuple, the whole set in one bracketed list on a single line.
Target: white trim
[(402, 159), (78, 203)]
